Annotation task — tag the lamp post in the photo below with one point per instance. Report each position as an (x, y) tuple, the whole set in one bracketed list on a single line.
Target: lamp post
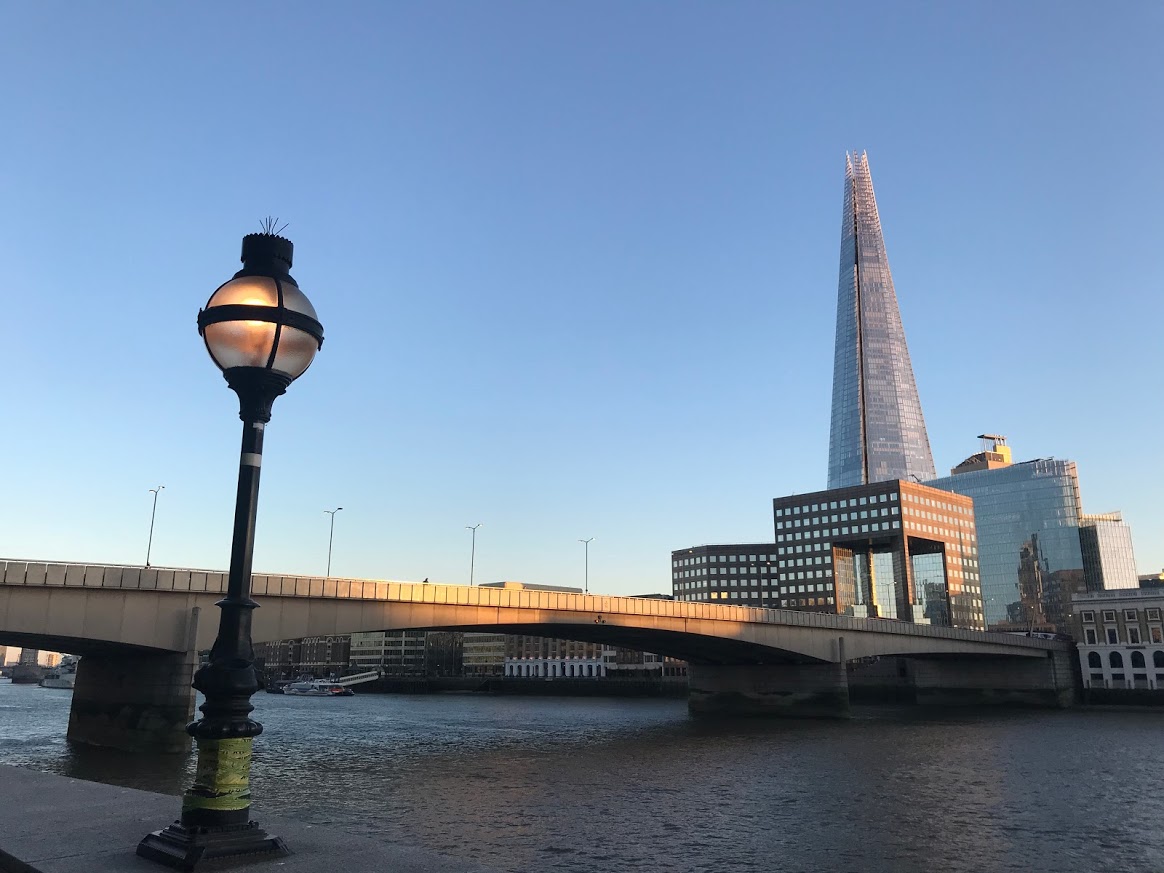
[(586, 559), (153, 512), (331, 536), (262, 333), (472, 549)]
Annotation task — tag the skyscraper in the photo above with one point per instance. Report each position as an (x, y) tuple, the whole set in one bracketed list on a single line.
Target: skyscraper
[(878, 432)]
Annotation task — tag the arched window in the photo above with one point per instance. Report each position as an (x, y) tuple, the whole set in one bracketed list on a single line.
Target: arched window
[(1158, 658), (1116, 660), (1137, 660), (1094, 661)]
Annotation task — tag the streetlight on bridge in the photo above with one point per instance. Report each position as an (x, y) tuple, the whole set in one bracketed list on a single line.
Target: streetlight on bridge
[(331, 536), (473, 549), (586, 559), (262, 333), (153, 512)]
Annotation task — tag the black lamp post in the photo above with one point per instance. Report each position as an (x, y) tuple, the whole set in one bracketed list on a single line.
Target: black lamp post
[(262, 332)]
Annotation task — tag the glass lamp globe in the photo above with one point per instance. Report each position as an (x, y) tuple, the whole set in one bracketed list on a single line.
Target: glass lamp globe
[(260, 319)]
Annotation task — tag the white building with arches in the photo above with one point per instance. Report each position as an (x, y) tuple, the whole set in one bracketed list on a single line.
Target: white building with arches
[(1120, 637)]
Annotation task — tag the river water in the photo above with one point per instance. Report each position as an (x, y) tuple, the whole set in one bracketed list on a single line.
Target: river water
[(592, 785)]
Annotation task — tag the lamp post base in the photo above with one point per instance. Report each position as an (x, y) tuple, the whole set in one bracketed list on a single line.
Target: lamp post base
[(190, 848)]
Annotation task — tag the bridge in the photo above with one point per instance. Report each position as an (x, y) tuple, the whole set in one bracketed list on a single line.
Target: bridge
[(139, 632)]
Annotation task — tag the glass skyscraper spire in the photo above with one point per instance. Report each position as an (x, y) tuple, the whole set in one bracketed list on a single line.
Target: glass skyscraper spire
[(878, 432)]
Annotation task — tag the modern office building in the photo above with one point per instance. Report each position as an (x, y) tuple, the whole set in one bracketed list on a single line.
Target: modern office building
[(1036, 548), (878, 433), (883, 550), (483, 655), (742, 574), (1108, 559)]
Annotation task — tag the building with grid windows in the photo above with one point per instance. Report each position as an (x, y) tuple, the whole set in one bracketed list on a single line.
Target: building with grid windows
[(885, 550), (742, 574), (896, 550), (878, 433)]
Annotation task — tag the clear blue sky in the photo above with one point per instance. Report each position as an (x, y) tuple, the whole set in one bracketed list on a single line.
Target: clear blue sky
[(576, 262)]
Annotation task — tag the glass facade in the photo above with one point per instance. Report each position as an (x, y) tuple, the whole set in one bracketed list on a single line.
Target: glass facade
[(1108, 559), (1029, 556), (878, 433)]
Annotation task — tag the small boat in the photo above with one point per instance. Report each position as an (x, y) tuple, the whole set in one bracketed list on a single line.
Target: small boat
[(64, 675), (317, 688)]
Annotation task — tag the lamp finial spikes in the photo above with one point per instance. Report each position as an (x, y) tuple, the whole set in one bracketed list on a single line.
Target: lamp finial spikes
[(271, 226)]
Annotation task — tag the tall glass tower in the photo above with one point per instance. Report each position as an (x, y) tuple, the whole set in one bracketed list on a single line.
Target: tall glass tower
[(878, 432)]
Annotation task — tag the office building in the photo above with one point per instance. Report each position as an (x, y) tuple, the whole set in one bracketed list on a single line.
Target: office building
[(1033, 537), (740, 574), (878, 433), (318, 657), (896, 550), (883, 550), (1108, 560), (483, 655)]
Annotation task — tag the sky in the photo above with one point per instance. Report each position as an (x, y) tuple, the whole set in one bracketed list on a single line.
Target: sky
[(576, 264)]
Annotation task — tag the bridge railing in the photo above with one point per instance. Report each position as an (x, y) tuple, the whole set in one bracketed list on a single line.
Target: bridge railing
[(190, 581)]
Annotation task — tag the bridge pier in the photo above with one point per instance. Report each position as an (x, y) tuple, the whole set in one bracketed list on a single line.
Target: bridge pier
[(1048, 681), (136, 702), (818, 690)]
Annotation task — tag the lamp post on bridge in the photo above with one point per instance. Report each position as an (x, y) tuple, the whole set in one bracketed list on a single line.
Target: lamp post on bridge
[(262, 333), (473, 549), (331, 536), (153, 512), (586, 560)]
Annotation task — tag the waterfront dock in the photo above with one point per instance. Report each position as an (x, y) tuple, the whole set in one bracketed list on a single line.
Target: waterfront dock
[(55, 824)]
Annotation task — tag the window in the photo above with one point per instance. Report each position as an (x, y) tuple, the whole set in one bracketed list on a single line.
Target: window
[(1089, 635), (1088, 616), (1109, 615), (1153, 614), (1129, 615), (1116, 660), (1138, 661), (1094, 661), (1113, 637), (1155, 635), (1158, 659), (1133, 636)]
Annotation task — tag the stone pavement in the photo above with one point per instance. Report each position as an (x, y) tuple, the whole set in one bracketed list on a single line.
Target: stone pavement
[(54, 824)]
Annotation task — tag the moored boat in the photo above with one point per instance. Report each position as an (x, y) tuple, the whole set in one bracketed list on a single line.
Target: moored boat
[(317, 688), (64, 675)]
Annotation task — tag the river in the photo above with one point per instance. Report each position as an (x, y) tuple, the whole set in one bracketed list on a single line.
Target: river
[(592, 785)]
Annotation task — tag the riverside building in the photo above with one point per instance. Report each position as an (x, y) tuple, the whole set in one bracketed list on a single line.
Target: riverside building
[(885, 550), (1120, 638), (1036, 548)]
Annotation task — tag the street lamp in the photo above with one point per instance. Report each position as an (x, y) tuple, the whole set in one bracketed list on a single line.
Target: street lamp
[(473, 551), (586, 553), (331, 536), (262, 332), (153, 512)]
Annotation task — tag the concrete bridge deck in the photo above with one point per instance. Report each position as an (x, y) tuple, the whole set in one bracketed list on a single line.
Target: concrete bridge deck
[(140, 631)]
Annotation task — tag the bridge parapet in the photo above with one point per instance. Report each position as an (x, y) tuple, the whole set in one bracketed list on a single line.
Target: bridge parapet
[(211, 582)]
